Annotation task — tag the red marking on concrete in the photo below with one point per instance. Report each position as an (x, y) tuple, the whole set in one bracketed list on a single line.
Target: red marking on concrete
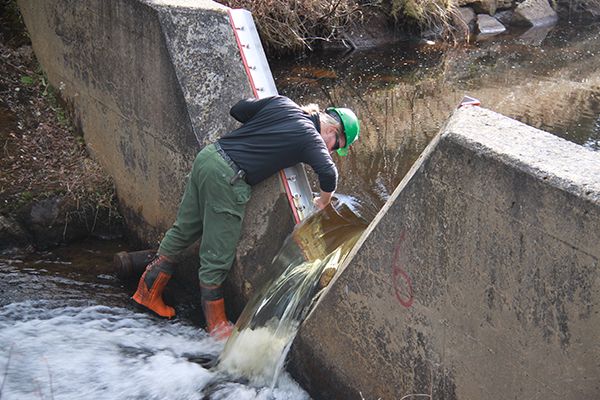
[(400, 278)]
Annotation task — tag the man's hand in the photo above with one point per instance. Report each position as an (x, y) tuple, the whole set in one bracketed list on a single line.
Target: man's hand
[(323, 200)]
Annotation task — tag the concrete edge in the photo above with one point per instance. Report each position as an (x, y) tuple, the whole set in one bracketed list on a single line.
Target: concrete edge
[(562, 173)]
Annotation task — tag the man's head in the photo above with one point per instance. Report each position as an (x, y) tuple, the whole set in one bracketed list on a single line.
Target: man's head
[(347, 126)]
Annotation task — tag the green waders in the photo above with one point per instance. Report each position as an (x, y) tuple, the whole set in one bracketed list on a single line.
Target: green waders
[(211, 208)]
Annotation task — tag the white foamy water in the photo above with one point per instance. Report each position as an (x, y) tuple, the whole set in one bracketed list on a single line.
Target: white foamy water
[(82, 344), (256, 353), (48, 351), (263, 335)]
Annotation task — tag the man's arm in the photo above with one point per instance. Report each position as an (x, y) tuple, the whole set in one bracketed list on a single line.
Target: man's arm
[(243, 110), (317, 156), (322, 200)]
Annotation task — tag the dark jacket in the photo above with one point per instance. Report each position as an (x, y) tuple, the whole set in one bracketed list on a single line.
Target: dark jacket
[(277, 134)]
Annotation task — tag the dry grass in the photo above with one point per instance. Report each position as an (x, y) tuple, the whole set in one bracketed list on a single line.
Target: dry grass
[(439, 16), (295, 25)]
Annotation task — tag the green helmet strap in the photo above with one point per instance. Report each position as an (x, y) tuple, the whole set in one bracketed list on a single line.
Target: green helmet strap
[(350, 124)]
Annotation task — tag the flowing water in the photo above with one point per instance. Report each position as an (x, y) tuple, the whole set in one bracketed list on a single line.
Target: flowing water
[(69, 331), (72, 333), (268, 324)]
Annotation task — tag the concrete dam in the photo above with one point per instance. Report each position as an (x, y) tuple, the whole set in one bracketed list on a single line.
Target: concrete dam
[(479, 278)]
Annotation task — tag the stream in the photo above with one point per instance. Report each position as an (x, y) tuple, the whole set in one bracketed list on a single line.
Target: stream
[(548, 78), (69, 331)]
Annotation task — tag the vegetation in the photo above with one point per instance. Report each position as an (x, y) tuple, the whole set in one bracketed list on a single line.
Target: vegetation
[(297, 25), (438, 16), (292, 25), (42, 154)]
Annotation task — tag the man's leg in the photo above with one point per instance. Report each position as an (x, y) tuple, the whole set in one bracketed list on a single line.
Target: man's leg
[(224, 207), (188, 226), (217, 252), (185, 231)]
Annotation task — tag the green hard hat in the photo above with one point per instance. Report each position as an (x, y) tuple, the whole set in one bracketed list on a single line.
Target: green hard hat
[(350, 125)]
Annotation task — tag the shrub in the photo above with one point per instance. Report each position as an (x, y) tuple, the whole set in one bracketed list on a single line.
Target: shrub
[(297, 25)]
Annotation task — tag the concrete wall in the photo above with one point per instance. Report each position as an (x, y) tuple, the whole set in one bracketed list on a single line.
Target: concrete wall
[(150, 82), (479, 279)]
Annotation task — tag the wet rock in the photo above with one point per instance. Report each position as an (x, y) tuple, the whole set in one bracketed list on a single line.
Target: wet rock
[(466, 18), (11, 233), (534, 13), (59, 219), (46, 219), (504, 17), (489, 25)]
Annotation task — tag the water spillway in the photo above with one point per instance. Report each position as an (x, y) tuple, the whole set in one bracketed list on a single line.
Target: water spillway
[(266, 328)]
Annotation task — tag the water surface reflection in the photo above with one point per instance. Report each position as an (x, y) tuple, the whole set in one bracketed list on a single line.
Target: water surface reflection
[(403, 94)]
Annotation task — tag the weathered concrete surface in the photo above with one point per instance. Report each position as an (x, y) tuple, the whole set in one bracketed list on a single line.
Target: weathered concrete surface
[(479, 279), (150, 82), (144, 89)]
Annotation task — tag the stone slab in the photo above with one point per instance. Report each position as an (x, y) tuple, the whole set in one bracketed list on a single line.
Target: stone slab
[(489, 25), (534, 13), (467, 18)]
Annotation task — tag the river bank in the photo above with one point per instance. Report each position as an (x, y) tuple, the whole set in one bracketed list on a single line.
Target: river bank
[(51, 192), (291, 27)]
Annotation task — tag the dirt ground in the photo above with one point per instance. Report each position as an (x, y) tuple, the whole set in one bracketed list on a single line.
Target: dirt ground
[(41, 155)]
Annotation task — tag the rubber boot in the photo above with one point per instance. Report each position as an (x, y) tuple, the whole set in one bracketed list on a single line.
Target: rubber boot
[(213, 305), (152, 284)]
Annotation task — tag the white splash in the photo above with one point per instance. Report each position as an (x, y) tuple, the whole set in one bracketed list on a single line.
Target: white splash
[(257, 352), (98, 352), (266, 329)]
